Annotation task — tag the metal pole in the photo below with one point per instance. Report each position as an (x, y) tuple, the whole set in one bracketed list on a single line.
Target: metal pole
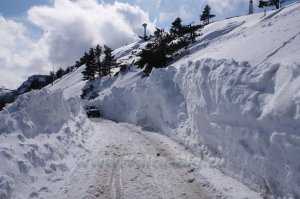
[(251, 9), (145, 30)]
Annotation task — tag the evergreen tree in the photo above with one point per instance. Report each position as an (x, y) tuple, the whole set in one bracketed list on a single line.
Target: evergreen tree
[(268, 3), (91, 66), (192, 31), (276, 3), (92, 62), (177, 28), (158, 33), (206, 15), (60, 73), (77, 64), (155, 54), (165, 46), (52, 77), (98, 53), (108, 61), (83, 60)]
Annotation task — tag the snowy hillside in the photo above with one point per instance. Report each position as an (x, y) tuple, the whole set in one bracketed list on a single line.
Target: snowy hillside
[(232, 103)]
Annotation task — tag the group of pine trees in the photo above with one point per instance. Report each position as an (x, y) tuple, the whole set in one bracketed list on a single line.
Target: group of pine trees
[(60, 73), (99, 61), (162, 49), (267, 3)]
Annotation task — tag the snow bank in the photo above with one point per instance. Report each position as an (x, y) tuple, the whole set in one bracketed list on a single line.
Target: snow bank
[(41, 137), (246, 116), (38, 112)]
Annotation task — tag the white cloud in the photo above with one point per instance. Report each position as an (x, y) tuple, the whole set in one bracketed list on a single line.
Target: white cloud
[(229, 8), (18, 53), (68, 29)]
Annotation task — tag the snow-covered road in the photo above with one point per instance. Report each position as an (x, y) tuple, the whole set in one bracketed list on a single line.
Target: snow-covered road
[(125, 162)]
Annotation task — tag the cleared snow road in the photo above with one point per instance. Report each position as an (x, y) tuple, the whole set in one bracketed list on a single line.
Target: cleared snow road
[(127, 163)]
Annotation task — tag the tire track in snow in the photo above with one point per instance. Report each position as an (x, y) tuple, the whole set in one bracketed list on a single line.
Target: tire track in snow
[(115, 182)]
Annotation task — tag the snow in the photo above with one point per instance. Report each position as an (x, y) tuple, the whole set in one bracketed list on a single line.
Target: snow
[(256, 39), (48, 149), (71, 84), (45, 114), (124, 164), (41, 136), (234, 99), (226, 113), (246, 116)]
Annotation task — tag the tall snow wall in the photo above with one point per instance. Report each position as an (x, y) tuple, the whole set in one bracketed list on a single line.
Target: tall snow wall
[(248, 117), (38, 112)]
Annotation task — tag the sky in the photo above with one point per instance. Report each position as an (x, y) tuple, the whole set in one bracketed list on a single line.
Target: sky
[(39, 34)]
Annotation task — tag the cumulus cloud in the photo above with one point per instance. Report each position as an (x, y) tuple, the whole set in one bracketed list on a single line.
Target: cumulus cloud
[(68, 29), (18, 53)]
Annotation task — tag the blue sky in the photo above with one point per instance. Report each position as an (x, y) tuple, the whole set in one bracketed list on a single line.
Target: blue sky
[(40, 34), (16, 8)]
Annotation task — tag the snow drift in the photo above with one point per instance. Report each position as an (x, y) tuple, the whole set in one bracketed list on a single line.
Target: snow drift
[(41, 137), (38, 112)]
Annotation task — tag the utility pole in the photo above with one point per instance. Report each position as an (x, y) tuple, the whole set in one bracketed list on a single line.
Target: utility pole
[(251, 9), (145, 31)]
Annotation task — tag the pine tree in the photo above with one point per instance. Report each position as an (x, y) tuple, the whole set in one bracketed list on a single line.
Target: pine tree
[(108, 61), (158, 33), (86, 73), (52, 76), (78, 64), (98, 53), (92, 62), (83, 60), (206, 15), (177, 28), (155, 54), (276, 3), (91, 66), (60, 73), (268, 3)]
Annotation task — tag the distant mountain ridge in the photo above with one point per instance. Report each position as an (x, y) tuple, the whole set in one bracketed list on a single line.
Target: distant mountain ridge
[(34, 82)]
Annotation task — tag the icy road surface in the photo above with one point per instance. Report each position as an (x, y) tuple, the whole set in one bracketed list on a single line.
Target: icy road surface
[(125, 162)]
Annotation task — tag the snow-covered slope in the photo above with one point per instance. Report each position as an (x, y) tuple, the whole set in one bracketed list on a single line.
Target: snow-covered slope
[(256, 39), (236, 95), (71, 84)]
